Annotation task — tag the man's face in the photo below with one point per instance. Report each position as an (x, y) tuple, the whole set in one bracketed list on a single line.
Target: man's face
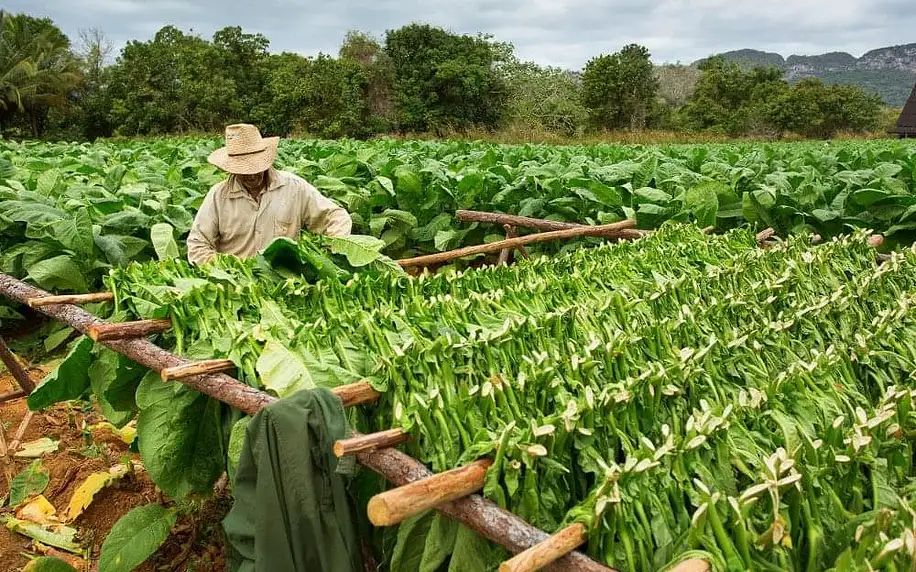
[(255, 181)]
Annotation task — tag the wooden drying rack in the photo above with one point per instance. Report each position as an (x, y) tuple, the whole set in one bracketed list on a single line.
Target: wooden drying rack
[(453, 493)]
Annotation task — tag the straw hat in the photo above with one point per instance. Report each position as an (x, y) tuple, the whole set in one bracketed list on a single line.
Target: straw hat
[(246, 152)]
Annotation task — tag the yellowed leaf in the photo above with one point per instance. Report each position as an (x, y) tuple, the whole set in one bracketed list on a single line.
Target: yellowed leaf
[(125, 434), (37, 448), (39, 511), (83, 495)]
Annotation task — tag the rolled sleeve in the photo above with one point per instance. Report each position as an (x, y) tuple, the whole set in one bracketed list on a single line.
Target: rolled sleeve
[(204, 235), (321, 215)]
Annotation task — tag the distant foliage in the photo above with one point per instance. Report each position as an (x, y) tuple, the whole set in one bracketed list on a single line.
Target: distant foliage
[(413, 80)]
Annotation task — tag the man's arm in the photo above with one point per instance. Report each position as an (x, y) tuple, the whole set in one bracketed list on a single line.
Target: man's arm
[(323, 216), (204, 235)]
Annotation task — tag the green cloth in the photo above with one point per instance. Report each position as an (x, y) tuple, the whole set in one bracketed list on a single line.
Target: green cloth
[(292, 511)]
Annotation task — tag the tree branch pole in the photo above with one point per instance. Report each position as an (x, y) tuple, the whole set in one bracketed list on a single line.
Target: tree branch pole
[(576, 232), (16, 370), (477, 513), (539, 223)]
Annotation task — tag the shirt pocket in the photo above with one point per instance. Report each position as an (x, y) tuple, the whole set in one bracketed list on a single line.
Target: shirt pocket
[(283, 226)]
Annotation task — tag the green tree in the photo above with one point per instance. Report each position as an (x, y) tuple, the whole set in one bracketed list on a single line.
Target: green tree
[(173, 83), (814, 109), (543, 98), (366, 51), (618, 90), (728, 99), (242, 57), (37, 70), (443, 80), (322, 96)]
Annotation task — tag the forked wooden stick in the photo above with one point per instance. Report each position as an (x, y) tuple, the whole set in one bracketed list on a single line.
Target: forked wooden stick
[(576, 232), (119, 331), (395, 505), (70, 299), (542, 554), (196, 368), (370, 442)]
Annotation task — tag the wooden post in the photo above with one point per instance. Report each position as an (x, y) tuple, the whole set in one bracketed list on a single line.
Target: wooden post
[(196, 368), (16, 370), (765, 234), (125, 330), (370, 442), (70, 299), (504, 253), (396, 505), (542, 554), (576, 232), (692, 565)]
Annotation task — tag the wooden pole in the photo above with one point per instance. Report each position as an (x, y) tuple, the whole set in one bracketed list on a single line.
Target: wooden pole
[(765, 234), (11, 395), (431, 259), (475, 512), (354, 394), (139, 329), (70, 299), (396, 505), (16, 370), (370, 442), (538, 223), (542, 554), (504, 253), (196, 368)]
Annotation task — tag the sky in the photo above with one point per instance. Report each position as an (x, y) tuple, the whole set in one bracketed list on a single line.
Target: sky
[(565, 33)]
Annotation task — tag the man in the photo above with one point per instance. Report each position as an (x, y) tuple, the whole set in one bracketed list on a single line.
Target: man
[(257, 203)]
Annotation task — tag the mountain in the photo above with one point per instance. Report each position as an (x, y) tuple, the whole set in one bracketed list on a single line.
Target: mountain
[(890, 72)]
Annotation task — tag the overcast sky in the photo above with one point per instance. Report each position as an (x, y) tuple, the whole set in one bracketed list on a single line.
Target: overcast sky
[(557, 32)]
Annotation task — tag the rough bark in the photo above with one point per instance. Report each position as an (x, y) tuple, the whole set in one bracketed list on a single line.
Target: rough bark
[(15, 368), (542, 554), (119, 331), (71, 299), (538, 223), (397, 505), (370, 442)]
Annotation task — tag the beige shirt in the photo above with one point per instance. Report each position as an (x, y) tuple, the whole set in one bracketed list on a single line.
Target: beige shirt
[(230, 221)]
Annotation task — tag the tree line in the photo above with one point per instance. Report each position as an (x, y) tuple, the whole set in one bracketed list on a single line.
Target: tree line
[(416, 79)]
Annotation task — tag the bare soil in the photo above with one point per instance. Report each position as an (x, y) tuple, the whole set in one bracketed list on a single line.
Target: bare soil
[(196, 542)]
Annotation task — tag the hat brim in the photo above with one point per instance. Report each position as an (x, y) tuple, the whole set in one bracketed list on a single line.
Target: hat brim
[(249, 164)]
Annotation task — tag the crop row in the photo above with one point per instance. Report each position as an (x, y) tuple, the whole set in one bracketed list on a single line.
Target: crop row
[(678, 394)]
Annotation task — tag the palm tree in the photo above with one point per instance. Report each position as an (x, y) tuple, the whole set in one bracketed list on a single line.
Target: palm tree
[(37, 68)]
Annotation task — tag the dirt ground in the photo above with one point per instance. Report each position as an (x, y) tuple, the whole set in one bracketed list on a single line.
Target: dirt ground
[(196, 542)]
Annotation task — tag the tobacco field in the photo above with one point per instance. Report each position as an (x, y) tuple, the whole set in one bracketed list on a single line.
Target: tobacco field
[(681, 395)]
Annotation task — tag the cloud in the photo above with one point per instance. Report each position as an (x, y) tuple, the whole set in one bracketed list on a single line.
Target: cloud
[(557, 32)]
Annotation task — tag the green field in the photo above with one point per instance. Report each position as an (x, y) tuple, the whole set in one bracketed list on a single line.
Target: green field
[(683, 394)]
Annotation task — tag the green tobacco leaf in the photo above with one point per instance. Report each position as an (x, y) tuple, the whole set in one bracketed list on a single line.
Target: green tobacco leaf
[(236, 444), (59, 273), (135, 537), (653, 195), (53, 341), (31, 481), (359, 249), (472, 552), (179, 437), (114, 380), (282, 370), (69, 380), (427, 233), (703, 201), (163, 241), (75, 233), (440, 543), (412, 534)]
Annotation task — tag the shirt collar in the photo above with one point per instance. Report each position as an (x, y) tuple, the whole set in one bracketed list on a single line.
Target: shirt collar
[(273, 182)]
